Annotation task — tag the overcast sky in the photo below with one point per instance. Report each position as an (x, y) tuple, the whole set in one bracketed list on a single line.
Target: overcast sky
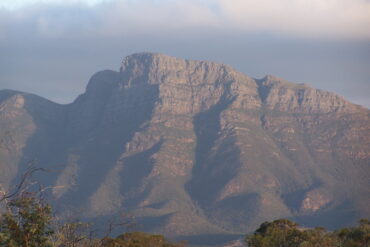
[(52, 47)]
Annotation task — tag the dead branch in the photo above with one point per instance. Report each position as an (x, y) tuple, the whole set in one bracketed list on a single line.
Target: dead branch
[(22, 185)]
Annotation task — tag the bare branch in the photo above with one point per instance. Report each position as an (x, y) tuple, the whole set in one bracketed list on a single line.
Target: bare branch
[(22, 184)]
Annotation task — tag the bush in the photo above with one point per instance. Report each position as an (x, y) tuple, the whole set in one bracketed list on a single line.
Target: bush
[(26, 223), (139, 239), (285, 233)]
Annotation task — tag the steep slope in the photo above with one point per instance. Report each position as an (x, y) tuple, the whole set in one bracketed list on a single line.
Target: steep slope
[(29, 125), (194, 148)]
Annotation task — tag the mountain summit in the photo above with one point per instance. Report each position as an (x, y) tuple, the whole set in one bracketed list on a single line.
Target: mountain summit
[(194, 148)]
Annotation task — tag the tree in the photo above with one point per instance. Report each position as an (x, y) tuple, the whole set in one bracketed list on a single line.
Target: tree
[(72, 234), (285, 233), (26, 223), (358, 236), (139, 239)]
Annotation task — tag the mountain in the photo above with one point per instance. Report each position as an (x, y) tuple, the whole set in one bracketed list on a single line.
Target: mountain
[(194, 149)]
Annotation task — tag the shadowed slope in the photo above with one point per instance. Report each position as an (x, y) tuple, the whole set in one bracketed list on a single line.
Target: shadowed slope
[(194, 148)]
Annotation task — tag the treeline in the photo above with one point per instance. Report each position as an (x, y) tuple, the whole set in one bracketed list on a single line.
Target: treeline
[(285, 233), (29, 222)]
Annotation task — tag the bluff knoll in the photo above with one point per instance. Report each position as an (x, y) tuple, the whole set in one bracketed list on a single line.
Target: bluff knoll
[(194, 148)]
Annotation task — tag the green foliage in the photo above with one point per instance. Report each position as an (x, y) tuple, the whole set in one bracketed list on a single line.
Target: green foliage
[(358, 236), (285, 233), (72, 234), (26, 223), (139, 239), (278, 233)]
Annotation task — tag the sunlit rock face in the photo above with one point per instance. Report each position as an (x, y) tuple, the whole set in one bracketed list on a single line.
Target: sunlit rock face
[(193, 148)]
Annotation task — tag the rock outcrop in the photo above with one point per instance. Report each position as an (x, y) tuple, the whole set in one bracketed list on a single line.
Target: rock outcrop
[(194, 148)]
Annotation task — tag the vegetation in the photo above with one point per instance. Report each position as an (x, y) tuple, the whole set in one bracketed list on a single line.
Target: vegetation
[(140, 239), (28, 221), (355, 236), (285, 233)]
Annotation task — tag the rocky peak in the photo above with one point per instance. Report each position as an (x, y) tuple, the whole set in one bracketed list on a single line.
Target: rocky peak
[(186, 86), (156, 68), (281, 95), (146, 60), (168, 139), (142, 69)]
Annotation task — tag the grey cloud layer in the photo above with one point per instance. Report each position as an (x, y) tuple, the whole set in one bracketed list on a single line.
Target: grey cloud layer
[(52, 50), (306, 18)]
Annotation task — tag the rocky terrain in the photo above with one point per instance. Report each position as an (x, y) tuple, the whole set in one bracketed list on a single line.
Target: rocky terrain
[(194, 149)]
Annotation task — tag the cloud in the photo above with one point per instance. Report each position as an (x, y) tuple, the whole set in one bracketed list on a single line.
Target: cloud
[(17, 4), (337, 19), (133, 17), (315, 18)]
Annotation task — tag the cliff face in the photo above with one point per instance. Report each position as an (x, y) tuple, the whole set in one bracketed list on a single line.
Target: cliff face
[(193, 147)]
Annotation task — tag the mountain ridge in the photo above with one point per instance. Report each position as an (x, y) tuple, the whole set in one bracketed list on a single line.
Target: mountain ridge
[(194, 148)]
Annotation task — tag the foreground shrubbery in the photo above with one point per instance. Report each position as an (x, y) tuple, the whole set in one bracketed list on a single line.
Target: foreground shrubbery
[(285, 233), (139, 239), (28, 222)]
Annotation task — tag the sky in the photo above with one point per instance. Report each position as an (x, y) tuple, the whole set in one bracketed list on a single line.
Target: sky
[(52, 47)]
